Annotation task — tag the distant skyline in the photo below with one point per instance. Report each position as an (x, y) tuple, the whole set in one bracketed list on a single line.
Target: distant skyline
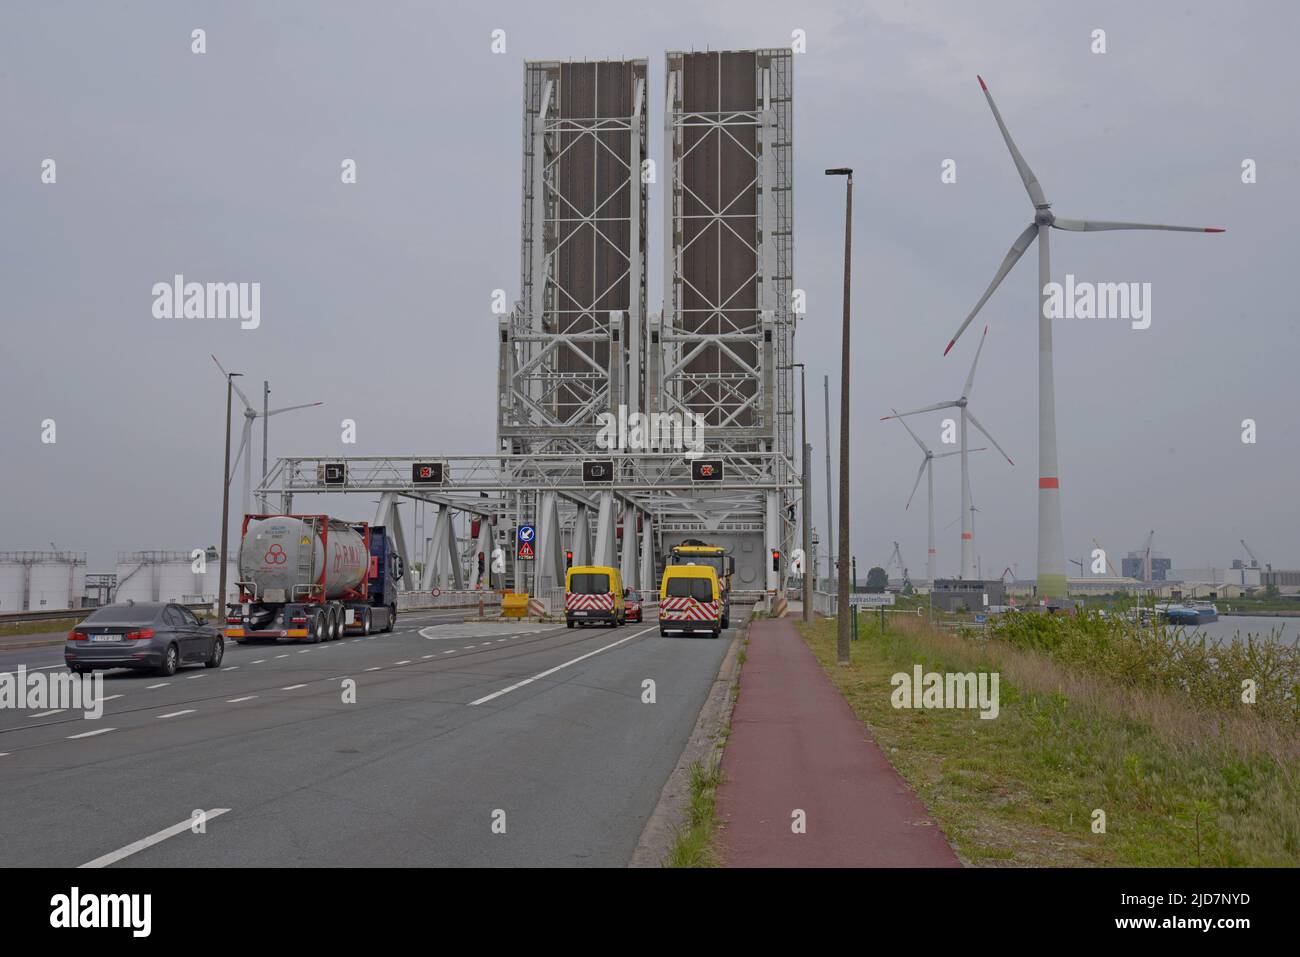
[(375, 298)]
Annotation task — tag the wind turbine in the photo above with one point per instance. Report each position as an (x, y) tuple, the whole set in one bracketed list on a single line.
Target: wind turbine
[(926, 468), (250, 416), (1051, 544), (968, 570)]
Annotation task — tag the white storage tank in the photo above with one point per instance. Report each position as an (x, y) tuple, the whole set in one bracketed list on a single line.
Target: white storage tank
[(36, 580), (13, 575)]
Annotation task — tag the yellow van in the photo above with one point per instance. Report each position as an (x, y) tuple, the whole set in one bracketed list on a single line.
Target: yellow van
[(593, 593), (690, 600)]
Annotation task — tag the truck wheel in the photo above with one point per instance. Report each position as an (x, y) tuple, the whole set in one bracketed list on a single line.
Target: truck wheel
[(392, 618), (569, 623), (366, 622), (319, 628), (336, 624)]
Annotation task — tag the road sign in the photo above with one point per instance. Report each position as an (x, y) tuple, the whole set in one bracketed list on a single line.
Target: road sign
[(871, 600), (706, 470), (427, 473), (598, 470), (336, 473), (525, 538)]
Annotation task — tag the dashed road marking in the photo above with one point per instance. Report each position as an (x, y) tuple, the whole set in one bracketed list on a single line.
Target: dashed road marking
[(192, 677), (176, 714), (281, 656), (293, 687), (372, 669), (231, 668), (46, 714), (161, 684), (247, 697), (259, 661), (90, 734), (406, 662)]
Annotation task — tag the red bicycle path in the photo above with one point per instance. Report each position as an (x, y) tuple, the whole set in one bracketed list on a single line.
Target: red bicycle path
[(795, 744)]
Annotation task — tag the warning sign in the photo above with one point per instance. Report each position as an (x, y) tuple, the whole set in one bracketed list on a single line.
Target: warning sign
[(525, 539)]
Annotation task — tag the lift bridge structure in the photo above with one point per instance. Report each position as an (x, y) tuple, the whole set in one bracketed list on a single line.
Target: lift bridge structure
[(580, 342)]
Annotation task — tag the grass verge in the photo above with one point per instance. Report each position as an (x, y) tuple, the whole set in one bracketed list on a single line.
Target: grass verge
[(1180, 784), (693, 843), (36, 627)]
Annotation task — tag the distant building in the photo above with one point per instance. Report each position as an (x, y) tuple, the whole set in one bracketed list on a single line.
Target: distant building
[(1131, 566), (961, 594), (1287, 582), (1103, 585)]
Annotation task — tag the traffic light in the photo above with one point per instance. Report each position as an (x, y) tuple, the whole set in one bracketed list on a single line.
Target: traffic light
[(480, 563), (776, 559), (568, 558)]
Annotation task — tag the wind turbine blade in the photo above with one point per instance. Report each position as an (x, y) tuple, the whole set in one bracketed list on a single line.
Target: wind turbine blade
[(944, 455), (238, 391), (1012, 257), (914, 436), (290, 408), (248, 428), (917, 484), (1097, 225), (975, 422), (970, 379), (926, 408), (1027, 176)]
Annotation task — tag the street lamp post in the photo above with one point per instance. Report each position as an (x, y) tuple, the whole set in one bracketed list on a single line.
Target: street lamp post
[(807, 491), (842, 621), (225, 508)]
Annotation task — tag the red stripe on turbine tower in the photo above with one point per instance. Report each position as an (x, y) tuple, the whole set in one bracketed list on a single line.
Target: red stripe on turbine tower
[(1049, 483)]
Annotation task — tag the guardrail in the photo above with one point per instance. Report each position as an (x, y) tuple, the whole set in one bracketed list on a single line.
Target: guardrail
[(76, 614)]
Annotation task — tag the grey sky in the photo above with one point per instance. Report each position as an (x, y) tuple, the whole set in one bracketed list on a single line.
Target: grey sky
[(375, 297)]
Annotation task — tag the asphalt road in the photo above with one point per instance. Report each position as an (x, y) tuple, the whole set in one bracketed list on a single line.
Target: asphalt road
[(456, 727)]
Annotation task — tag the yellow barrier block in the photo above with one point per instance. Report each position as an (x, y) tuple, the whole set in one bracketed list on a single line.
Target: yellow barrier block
[(514, 605)]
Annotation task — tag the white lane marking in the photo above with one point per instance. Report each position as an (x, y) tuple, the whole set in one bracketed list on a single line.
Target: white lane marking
[(293, 687), (259, 661), (231, 668), (247, 697), (46, 714), (406, 662), (111, 697), (176, 714), (90, 734), (161, 684), (145, 842), (468, 647), (426, 656), (304, 651), (4, 754), (372, 669), (450, 651), (281, 656), (192, 677), (355, 640), (550, 671), (499, 640)]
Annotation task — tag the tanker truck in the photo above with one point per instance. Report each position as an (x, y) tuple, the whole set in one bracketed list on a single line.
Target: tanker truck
[(313, 577)]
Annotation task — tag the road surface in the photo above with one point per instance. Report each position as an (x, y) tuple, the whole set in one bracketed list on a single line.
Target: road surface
[(456, 727)]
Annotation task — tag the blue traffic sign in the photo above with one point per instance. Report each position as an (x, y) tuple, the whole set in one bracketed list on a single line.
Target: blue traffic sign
[(527, 533)]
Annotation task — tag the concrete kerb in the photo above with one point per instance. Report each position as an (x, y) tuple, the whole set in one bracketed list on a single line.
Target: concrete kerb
[(670, 813)]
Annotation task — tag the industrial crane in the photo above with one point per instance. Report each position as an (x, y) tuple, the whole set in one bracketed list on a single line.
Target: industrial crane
[(1109, 563), (897, 555), (1254, 562), (1146, 557)]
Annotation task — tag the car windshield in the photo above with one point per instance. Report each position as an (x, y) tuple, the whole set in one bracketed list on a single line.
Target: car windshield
[(589, 583), (122, 615)]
